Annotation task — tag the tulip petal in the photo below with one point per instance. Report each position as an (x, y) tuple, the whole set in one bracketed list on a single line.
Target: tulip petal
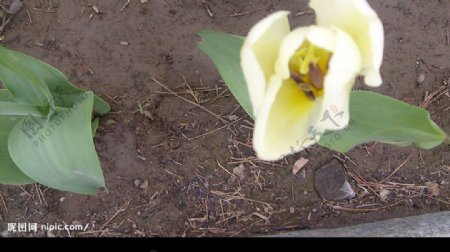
[(357, 18), (259, 53), (283, 125), (343, 68)]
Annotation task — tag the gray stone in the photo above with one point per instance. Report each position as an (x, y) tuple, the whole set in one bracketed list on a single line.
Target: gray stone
[(331, 182), (427, 225), (137, 182)]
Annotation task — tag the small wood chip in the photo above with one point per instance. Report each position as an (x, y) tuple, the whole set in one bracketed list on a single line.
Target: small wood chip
[(95, 8), (433, 189), (144, 184), (299, 165), (239, 172), (384, 194)]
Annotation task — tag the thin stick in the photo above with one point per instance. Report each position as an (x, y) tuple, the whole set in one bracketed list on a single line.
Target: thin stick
[(397, 169), (239, 198), (173, 174), (25, 191), (112, 99), (189, 101), (223, 168), (122, 209), (48, 11), (4, 203), (301, 13), (237, 14), (210, 132), (207, 8), (39, 195), (125, 5), (364, 209), (29, 16)]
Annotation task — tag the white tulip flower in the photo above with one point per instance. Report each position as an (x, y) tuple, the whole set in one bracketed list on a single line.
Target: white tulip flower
[(300, 81)]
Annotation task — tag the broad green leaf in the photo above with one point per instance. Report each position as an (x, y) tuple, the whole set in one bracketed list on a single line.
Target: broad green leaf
[(21, 73), (9, 173), (380, 118), (21, 77), (224, 50), (60, 152)]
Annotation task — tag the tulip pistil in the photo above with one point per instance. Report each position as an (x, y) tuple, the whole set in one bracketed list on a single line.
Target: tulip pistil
[(308, 67)]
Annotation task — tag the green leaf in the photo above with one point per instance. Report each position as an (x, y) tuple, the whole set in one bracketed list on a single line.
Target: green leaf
[(5, 95), (375, 117), (59, 152), (26, 77), (94, 126), (224, 50), (9, 173), (19, 109), (21, 77)]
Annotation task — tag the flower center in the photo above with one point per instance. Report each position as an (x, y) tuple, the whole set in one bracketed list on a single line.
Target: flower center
[(308, 67)]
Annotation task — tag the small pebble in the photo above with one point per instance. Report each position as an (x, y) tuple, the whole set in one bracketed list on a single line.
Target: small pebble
[(137, 182), (420, 78)]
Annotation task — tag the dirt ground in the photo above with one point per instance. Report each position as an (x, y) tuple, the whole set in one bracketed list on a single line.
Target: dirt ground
[(169, 165)]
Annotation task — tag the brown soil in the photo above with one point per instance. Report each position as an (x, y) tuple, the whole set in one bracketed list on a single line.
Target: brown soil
[(188, 193)]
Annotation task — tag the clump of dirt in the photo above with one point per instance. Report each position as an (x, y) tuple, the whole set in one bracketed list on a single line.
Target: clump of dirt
[(178, 161)]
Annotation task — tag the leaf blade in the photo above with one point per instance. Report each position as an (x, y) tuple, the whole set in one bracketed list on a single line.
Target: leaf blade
[(62, 154), (224, 50), (10, 174), (375, 117), (18, 76), (22, 74)]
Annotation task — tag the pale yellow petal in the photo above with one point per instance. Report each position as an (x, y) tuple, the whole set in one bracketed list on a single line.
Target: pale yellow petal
[(259, 54), (344, 66), (284, 123), (357, 18)]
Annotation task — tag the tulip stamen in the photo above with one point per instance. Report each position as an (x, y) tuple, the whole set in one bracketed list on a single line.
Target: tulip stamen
[(308, 67), (306, 88), (316, 75)]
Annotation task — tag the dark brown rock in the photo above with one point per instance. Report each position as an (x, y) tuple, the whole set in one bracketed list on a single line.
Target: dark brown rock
[(331, 182)]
